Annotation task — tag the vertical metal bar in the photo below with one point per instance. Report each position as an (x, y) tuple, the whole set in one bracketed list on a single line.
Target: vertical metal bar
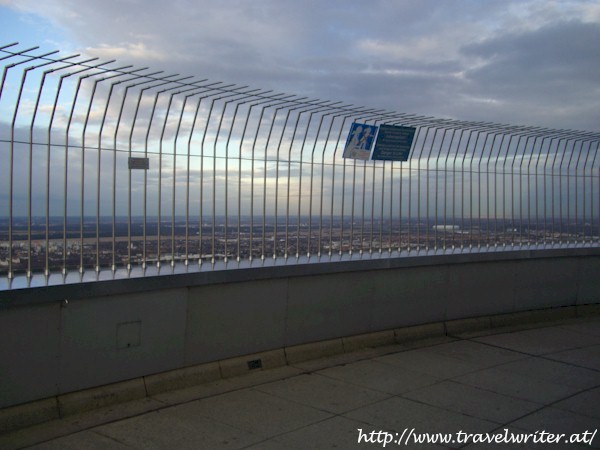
[(252, 160), (410, 182), (187, 192), (462, 196), (298, 219), (268, 141), (437, 177), (558, 144), (584, 213), (569, 231), (391, 220), (560, 203), (576, 193), (537, 199), (454, 183), (11, 157), (344, 197), (280, 101), (427, 129), (373, 167), (163, 81), (174, 184), (546, 191), (333, 194), (81, 78), (529, 192), (160, 164), (160, 157), (30, 178), (194, 91), (321, 189), (373, 116), (250, 95), (479, 187), (312, 162), (287, 210), (149, 79), (307, 130), (52, 115), (214, 190), (496, 240), (201, 198), (427, 190), (187, 184), (208, 117), (512, 183), (444, 243), (592, 196), (83, 147)]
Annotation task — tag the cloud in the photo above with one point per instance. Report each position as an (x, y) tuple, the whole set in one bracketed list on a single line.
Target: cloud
[(528, 62), (550, 71), (127, 51)]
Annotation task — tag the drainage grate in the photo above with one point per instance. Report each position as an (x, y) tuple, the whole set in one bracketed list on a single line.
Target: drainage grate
[(255, 364)]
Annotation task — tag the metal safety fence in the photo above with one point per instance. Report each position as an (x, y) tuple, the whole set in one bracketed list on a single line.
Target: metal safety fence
[(107, 167)]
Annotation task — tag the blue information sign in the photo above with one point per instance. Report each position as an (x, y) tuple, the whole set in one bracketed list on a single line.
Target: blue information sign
[(393, 143), (359, 142)]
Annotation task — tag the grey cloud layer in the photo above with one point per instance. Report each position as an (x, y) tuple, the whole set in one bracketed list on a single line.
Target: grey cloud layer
[(527, 62)]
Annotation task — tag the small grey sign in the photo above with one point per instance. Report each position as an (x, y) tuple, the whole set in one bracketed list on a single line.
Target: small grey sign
[(139, 163)]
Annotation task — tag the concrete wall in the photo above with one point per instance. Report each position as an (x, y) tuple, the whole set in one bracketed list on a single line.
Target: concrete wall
[(50, 347)]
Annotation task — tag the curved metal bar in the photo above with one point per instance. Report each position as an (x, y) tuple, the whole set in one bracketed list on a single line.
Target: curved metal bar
[(83, 133), (30, 176)]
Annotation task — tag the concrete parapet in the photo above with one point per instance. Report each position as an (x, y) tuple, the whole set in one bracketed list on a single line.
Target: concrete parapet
[(418, 332), (314, 350), (182, 378), (94, 398), (28, 414), (529, 317), (588, 310), (368, 340), (458, 326), (243, 364)]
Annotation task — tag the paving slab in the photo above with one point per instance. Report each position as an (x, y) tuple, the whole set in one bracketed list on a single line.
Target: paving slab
[(89, 439), (335, 432), (586, 403), (588, 325), (324, 393), (518, 438), (473, 401), (430, 363), (397, 414), (540, 341), (516, 385), (554, 371), (171, 428), (587, 357), (254, 411), (559, 421), (48, 431), (477, 353), (380, 377)]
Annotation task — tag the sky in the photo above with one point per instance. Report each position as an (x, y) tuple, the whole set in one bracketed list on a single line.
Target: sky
[(526, 62)]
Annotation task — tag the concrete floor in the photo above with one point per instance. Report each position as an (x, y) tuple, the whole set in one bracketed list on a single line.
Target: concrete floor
[(526, 380)]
